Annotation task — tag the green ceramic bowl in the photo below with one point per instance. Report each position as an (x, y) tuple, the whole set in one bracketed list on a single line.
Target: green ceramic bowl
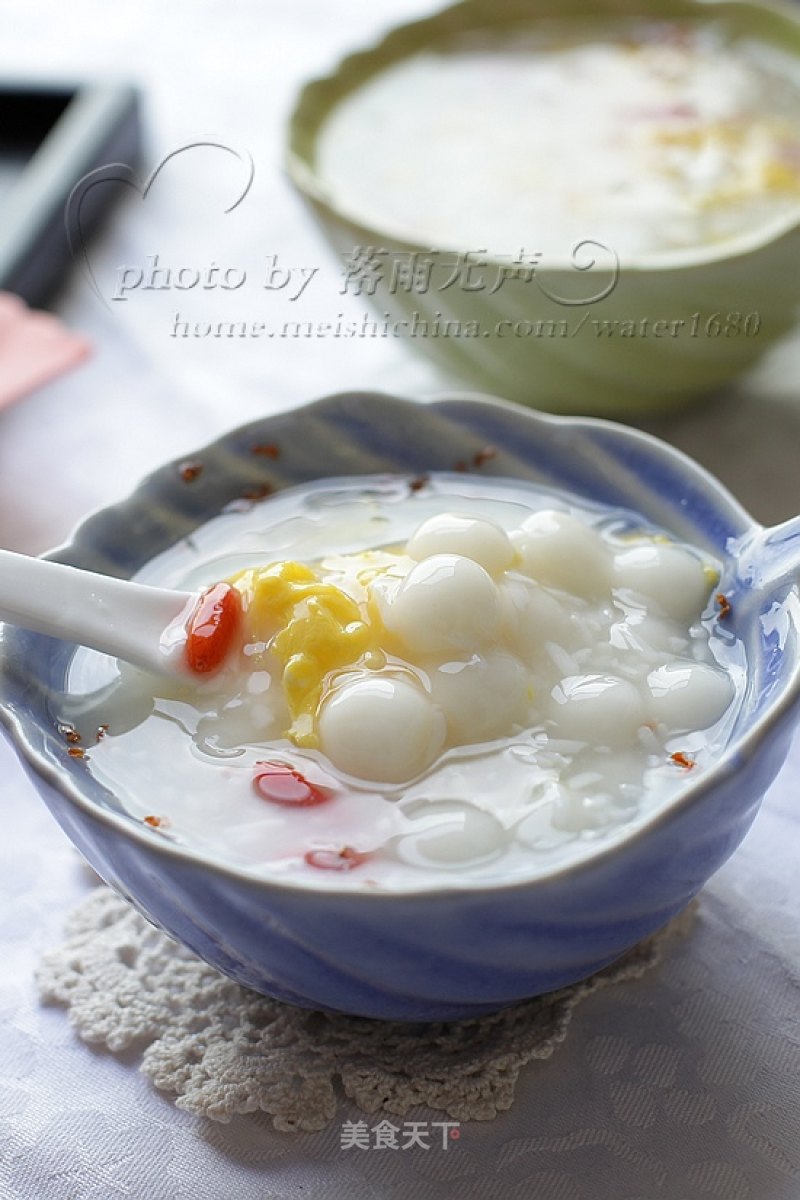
[(709, 313)]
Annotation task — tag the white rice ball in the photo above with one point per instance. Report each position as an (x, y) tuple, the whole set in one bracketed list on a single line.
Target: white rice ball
[(381, 727), (668, 575), (602, 710), (563, 552), (686, 696), (481, 697), (449, 533), (446, 603)]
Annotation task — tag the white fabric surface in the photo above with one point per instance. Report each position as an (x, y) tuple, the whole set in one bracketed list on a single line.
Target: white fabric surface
[(683, 1085), (223, 1050)]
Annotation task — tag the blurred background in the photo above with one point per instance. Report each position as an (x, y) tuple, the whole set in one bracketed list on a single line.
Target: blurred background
[(228, 73)]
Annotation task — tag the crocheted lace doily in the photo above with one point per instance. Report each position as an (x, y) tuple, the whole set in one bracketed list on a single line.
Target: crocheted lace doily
[(223, 1050)]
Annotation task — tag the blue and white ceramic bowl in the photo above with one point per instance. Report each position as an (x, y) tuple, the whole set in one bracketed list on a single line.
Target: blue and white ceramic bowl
[(430, 954)]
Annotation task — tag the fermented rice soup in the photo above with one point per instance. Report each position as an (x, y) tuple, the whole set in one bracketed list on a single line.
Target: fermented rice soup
[(458, 679), (648, 136)]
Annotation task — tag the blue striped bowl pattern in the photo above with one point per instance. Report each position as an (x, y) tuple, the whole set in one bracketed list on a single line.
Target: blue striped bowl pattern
[(429, 954)]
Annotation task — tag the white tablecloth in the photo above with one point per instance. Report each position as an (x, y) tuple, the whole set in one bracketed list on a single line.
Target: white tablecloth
[(682, 1085)]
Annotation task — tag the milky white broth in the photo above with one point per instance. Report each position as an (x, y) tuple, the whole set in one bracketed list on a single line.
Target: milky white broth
[(647, 136), (560, 781)]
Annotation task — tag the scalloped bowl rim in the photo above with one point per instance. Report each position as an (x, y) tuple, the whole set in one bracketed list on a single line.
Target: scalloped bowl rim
[(304, 176), (692, 792)]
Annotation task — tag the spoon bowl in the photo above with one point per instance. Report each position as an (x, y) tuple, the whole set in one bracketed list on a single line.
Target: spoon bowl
[(432, 952), (143, 625)]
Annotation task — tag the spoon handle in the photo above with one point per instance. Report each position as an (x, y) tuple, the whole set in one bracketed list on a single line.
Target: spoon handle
[(126, 620), (772, 556)]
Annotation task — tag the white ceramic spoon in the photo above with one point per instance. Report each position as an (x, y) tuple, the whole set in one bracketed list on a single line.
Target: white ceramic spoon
[(143, 625)]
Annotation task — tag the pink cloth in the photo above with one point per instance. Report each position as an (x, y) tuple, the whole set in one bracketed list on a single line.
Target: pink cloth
[(34, 348)]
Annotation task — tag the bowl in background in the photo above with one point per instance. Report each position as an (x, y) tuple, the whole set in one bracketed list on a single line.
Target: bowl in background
[(729, 303), (428, 953)]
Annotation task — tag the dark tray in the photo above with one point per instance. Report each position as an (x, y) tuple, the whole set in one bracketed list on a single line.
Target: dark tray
[(50, 139)]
